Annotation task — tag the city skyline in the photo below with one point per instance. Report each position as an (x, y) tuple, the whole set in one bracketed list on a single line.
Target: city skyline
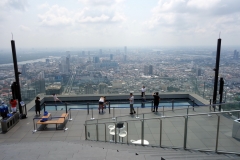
[(114, 23)]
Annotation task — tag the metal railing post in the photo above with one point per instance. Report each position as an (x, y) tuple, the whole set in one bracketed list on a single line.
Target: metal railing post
[(34, 127), (152, 106), (66, 107), (193, 104), (88, 108), (105, 132), (109, 108), (85, 132), (216, 148), (44, 107), (127, 131), (92, 114), (172, 105), (115, 133), (185, 133), (160, 141), (137, 113), (70, 114), (113, 113), (163, 112), (142, 136), (187, 110), (97, 130)]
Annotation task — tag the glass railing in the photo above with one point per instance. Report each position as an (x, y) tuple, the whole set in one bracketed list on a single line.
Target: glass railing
[(211, 131)]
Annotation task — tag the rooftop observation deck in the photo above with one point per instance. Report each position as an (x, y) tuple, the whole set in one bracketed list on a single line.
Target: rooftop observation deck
[(167, 130)]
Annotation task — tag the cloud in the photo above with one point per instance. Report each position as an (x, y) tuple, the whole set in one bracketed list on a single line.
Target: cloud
[(9, 6), (18, 4), (101, 2), (24, 28), (56, 16), (61, 16), (193, 16), (203, 4), (44, 5)]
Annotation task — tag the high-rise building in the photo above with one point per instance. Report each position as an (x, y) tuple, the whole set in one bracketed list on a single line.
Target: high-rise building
[(102, 88), (40, 86), (235, 54), (47, 61), (199, 72), (100, 51), (96, 60), (148, 70), (67, 64), (111, 56), (24, 70), (145, 70), (88, 89)]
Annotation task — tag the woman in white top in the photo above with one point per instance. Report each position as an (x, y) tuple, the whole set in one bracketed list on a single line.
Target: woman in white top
[(56, 98), (101, 102), (143, 90)]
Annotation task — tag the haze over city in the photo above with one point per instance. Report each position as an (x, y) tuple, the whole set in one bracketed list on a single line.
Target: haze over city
[(115, 23)]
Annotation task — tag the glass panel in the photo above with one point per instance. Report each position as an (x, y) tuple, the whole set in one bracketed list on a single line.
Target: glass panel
[(134, 132), (201, 133), (101, 132), (91, 132), (152, 131), (173, 132), (229, 135)]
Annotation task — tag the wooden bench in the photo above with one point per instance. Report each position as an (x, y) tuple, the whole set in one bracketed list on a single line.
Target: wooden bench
[(59, 121)]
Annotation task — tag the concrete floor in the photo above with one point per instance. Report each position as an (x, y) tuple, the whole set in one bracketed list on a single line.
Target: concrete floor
[(201, 130)]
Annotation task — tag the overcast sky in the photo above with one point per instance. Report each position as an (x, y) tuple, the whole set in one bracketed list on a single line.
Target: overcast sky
[(117, 23)]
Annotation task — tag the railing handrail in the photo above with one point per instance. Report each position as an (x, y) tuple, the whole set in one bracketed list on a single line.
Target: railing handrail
[(182, 108), (175, 116)]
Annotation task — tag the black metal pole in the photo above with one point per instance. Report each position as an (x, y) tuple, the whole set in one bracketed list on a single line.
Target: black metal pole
[(109, 107), (18, 91), (216, 69), (44, 107), (66, 107), (221, 92)]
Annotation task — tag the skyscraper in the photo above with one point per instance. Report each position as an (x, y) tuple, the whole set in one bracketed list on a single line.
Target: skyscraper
[(67, 64), (96, 60), (235, 55), (102, 88), (24, 70), (125, 50), (88, 89), (111, 56), (148, 70)]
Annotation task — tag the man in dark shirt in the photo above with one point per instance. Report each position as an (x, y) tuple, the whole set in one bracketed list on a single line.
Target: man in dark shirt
[(156, 101)]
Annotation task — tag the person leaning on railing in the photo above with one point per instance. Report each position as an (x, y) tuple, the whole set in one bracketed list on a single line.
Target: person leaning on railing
[(100, 103), (13, 103)]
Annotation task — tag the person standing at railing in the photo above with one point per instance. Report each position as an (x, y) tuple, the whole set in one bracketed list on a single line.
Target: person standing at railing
[(156, 101), (143, 90), (13, 103), (105, 102), (56, 98), (37, 105), (131, 100), (101, 103)]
